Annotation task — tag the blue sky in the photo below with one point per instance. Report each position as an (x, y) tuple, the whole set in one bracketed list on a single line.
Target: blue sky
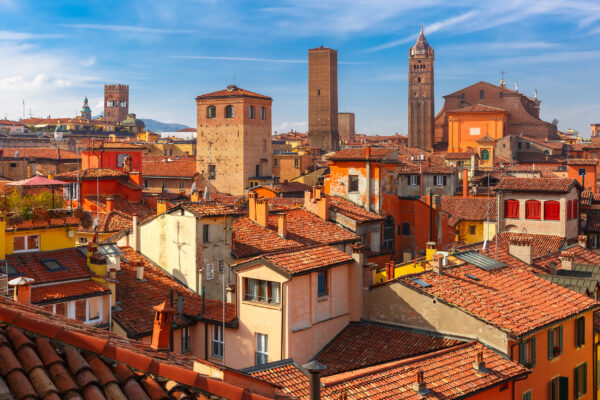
[(56, 52)]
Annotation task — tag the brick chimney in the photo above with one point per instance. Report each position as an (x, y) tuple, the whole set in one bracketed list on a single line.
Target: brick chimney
[(566, 260), (161, 332), (262, 212), (22, 289), (582, 241), (368, 152), (317, 203), (195, 197), (438, 263), (520, 247), (465, 182), (479, 364), (161, 207), (390, 268), (112, 285), (419, 385), (252, 206), (110, 203), (281, 225), (136, 177), (139, 270)]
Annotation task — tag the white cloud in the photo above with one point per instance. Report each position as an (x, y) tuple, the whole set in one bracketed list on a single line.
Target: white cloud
[(300, 126), (252, 59), (12, 35), (127, 28)]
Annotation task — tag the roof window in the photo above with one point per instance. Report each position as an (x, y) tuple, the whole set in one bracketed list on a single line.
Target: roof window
[(53, 265)]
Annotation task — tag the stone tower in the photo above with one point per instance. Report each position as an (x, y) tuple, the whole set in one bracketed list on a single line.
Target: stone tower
[(234, 139), (86, 111), (420, 94), (116, 102), (323, 99)]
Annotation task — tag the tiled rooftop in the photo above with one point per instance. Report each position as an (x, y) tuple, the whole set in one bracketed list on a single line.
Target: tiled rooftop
[(478, 108), (235, 92), (288, 187), (509, 298), (351, 210), (109, 222), (303, 227), (581, 256), (92, 173), (43, 223), (107, 145), (210, 208), (171, 169), (136, 298), (541, 245), (30, 265), (46, 356), (548, 185), (469, 209), (67, 291), (361, 154), (308, 259), (40, 152), (365, 344)]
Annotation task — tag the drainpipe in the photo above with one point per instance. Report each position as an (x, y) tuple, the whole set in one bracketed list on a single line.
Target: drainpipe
[(315, 368)]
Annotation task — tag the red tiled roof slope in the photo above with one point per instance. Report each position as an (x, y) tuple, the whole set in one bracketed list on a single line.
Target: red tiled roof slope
[(173, 169), (351, 210), (361, 154), (469, 209), (361, 345), (30, 265), (541, 245), (40, 152), (306, 260), (549, 185), (234, 92), (64, 291), (92, 173), (210, 208)]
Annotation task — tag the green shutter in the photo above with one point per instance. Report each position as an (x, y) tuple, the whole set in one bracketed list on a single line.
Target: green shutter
[(550, 344), (563, 388), (584, 372), (576, 383), (582, 331), (533, 352), (521, 353), (560, 338), (527, 395)]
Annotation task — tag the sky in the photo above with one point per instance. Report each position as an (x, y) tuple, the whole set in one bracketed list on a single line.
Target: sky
[(54, 53)]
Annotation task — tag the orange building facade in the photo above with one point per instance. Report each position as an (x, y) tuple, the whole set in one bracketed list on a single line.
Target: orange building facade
[(467, 125)]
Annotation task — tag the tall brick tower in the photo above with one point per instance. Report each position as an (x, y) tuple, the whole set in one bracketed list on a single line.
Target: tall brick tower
[(116, 102), (323, 99), (420, 94), (234, 139)]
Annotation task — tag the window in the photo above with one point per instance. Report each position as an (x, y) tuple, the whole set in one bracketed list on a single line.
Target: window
[(185, 339), (94, 309), (322, 284), (520, 145), (263, 113), (296, 162), (318, 92), (511, 208), (26, 243), (262, 349), (405, 229), (221, 266), (217, 341), (205, 233), (229, 111), (462, 97), (8, 269), (580, 380), (388, 232), (472, 229), (146, 184), (164, 185), (418, 80), (481, 94), (580, 332), (275, 162), (555, 342), (552, 210), (120, 159), (527, 145), (352, 183), (53, 265), (414, 180), (261, 291), (485, 155), (210, 271), (257, 171), (211, 112), (501, 95), (181, 184), (526, 395), (170, 152), (251, 112), (165, 152), (533, 209), (527, 352), (574, 211), (212, 171), (439, 180), (559, 388)]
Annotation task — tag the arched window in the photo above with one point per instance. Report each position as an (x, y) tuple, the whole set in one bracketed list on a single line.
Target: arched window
[(388, 232), (211, 112), (229, 112), (251, 112), (552, 210), (511, 208), (485, 155), (533, 209)]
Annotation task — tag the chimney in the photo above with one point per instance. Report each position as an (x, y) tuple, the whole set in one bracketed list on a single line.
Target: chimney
[(195, 197), (324, 207), (368, 152), (139, 271), (582, 240), (161, 207), (230, 289), (520, 247), (112, 285), (430, 250), (161, 332), (315, 368), (281, 225), (390, 268), (22, 289), (479, 364), (252, 206), (134, 234), (419, 385), (110, 203), (2, 236), (465, 182), (566, 260), (136, 177), (262, 212), (438, 264)]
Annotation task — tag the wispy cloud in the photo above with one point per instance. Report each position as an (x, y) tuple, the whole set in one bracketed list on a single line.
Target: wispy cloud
[(12, 35), (251, 59), (127, 28)]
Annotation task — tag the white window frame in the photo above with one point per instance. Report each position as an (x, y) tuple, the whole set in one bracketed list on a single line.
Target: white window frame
[(27, 249), (218, 341), (438, 180), (413, 179), (181, 184), (262, 349), (146, 183), (87, 310), (210, 271)]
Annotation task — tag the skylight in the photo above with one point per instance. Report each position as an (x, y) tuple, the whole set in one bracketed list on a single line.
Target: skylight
[(472, 277), (52, 265), (421, 282), (8, 269)]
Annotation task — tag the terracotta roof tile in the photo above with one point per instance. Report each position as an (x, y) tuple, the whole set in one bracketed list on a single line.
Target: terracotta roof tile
[(210, 208), (31, 265), (364, 344), (580, 256), (109, 222), (541, 245), (40, 152), (287, 187), (351, 210), (115, 145), (171, 169), (469, 209), (581, 161), (361, 154), (549, 185), (478, 108), (509, 298), (137, 298), (232, 91), (92, 173), (66, 291), (308, 259)]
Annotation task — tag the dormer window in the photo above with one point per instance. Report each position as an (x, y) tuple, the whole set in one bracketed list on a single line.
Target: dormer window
[(229, 112)]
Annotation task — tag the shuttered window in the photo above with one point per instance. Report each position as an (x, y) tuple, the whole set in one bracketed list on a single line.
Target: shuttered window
[(580, 380), (527, 352), (533, 209), (511, 208), (555, 342), (580, 332), (552, 210)]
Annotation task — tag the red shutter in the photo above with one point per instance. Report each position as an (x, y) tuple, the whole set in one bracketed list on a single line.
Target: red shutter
[(569, 210), (511, 208), (533, 209), (552, 210), (575, 209)]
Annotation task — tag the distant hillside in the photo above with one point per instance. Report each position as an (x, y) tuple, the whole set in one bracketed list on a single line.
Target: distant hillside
[(157, 126)]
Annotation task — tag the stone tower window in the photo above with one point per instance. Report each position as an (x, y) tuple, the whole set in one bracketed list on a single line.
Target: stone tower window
[(418, 80), (229, 112), (211, 112), (263, 113), (481, 94), (318, 92), (251, 112)]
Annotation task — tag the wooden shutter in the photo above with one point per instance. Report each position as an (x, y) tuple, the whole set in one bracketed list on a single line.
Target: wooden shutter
[(444, 179), (563, 388), (576, 382), (569, 210), (550, 344), (584, 372), (533, 352), (418, 179)]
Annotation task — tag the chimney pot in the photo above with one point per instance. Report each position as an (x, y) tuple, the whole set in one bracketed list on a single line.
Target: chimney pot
[(139, 271), (438, 263), (22, 289), (582, 240), (479, 364), (281, 225), (161, 206), (419, 385), (161, 332), (390, 268), (110, 204), (368, 152), (262, 212), (566, 260), (520, 247), (315, 368)]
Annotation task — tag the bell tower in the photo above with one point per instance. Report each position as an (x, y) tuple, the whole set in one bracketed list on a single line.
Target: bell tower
[(420, 94)]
